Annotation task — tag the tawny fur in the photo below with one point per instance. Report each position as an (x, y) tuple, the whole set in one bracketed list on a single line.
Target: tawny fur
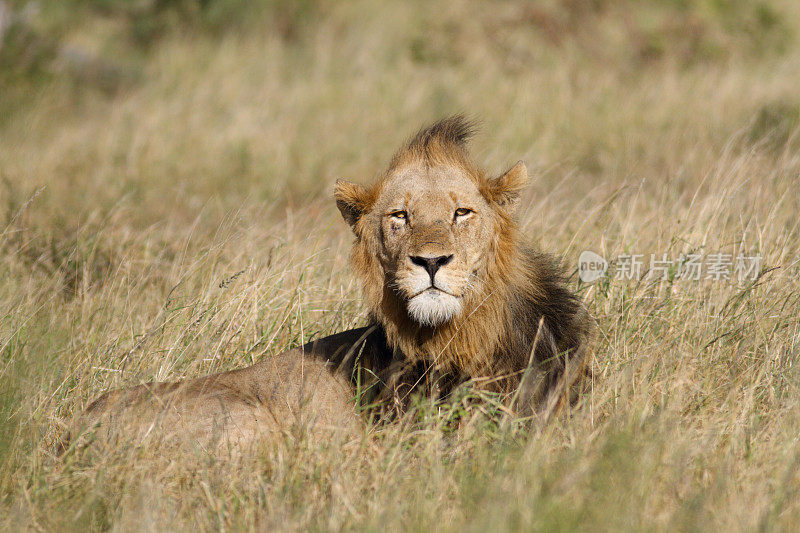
[(305, 391)]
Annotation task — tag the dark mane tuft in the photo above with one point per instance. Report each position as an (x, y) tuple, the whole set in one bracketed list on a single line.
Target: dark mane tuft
[(443, 141), (455, 130)]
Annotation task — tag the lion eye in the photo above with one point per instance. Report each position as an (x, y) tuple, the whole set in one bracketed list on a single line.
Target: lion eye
[(400, 215), (462, 212)]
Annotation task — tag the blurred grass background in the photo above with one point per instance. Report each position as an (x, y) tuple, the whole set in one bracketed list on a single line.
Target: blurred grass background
[(165, 211)]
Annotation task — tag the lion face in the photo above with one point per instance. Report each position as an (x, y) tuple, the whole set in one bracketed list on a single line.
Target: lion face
[(434, 226), (426, 232)]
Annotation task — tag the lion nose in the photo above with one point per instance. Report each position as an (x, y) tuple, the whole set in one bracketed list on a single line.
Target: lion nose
[(431, 264)]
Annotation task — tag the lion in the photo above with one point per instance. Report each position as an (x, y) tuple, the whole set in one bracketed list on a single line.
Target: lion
[(454, 294)]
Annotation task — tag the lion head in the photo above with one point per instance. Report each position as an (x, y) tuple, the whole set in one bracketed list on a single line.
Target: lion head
[(443, 267)]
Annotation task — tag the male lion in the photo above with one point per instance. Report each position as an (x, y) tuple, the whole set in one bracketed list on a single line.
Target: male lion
[(453, 294)]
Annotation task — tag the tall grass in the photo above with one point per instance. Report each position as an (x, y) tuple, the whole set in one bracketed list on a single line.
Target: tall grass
[(178, 221)]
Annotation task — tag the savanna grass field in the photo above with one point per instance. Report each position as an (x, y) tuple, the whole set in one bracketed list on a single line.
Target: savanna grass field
[(166, 211)]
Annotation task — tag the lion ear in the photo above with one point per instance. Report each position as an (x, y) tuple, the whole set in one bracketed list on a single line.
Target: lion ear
[(506, 189), (352, 200)]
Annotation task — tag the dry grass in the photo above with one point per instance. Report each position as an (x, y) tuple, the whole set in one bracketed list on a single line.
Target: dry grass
[(182, 224)]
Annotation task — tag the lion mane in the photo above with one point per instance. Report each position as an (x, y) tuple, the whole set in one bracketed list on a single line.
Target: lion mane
[(522, 330)]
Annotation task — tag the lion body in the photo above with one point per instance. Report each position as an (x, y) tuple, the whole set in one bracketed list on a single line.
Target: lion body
[(306, 389), (453, 292)]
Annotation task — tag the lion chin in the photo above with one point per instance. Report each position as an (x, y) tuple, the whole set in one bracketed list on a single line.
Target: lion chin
[(433, 307)]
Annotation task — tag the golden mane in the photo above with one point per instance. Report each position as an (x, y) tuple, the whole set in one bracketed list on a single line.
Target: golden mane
[(522, 312)]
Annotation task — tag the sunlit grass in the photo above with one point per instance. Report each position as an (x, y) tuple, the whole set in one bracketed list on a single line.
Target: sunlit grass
[(181, 223)]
